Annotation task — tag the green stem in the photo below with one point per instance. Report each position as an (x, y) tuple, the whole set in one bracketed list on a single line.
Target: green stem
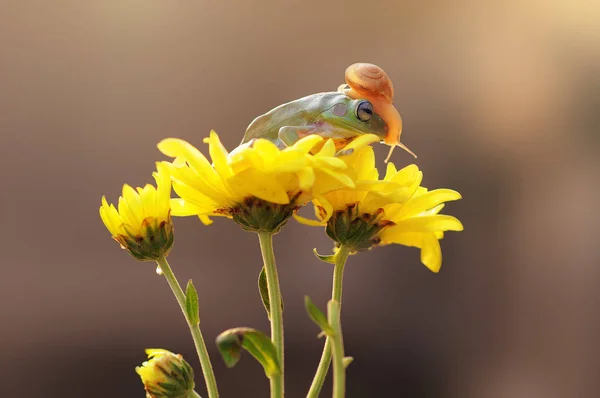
[(337, 348), (193, 394), (266, 248), (336, 294), (207, 370)]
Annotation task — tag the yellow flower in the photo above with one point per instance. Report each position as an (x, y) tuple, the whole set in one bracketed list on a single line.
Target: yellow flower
[(259, 186), (393, 210), (166, 375), (142, 224)]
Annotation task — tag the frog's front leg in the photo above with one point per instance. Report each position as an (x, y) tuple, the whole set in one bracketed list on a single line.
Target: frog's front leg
[(291, 134)]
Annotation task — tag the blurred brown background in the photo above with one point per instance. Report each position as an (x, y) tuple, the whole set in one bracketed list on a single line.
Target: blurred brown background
[(500, 100)]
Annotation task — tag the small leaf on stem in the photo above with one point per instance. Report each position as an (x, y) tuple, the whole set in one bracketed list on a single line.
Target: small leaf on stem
[(347, 361), (327, 259), (231, 341), (317, 316), (264, 292), (191, 304)]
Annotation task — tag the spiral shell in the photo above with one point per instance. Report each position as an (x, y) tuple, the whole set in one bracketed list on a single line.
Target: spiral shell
[(370, 80)]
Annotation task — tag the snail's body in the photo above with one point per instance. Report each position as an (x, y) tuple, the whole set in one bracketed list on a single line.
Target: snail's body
[(370, 82), (331, 115)]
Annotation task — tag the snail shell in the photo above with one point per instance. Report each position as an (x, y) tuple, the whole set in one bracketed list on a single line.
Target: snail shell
[(370, 80)]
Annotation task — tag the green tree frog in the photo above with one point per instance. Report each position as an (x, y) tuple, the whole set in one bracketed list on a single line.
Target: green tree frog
[(361, 106), (332, 115)]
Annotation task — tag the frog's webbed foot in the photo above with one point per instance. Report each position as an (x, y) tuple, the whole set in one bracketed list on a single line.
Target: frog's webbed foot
[(344, 152), (289, 135), (343, 87)]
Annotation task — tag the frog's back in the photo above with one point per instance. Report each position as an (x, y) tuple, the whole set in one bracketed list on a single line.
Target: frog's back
[(301, 112)]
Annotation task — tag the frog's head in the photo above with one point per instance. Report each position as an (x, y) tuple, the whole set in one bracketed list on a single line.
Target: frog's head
[(350, 118)]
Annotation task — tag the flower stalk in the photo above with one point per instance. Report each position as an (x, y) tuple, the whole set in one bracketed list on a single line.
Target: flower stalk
[(266, 247), (337, 349), (336, 294), (207, 370)]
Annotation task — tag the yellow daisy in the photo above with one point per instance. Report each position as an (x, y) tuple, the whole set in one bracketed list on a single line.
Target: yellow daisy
[(379, 212), (142, 224), (259, 186)]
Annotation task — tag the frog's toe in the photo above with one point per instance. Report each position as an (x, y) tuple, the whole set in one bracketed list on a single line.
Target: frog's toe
[(345, 152)]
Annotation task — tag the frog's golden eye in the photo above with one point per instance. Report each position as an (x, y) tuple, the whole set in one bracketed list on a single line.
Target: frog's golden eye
[(364, 111)]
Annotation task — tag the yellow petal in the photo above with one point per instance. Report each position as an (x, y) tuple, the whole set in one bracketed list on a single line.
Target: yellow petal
[(328, 149), (163, 186), (330, 162), (263, 186), (431, 252), (365, 165), (362, 141), (242, 158), (323, 203), (306, 178), (205, 219), (129, 207), (148, 200), (183, 208), (218, 154), (428, 224), (341, 177), (289, 162), (174, 147), (110, 217), (309, 222), (429, 200), (306, 144), (390, 171), (195, 197), (266, 150)]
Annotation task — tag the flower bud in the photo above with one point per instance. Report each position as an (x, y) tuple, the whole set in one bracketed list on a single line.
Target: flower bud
[(166, 375), (142, 223)]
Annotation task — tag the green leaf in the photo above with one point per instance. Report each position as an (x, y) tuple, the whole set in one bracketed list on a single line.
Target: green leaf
[(347, 361), (264, 291), (231, 341), (317, 316), (327, 259), (191, 304)]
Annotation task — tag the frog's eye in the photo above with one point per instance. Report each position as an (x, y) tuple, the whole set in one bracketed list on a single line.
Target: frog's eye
[(364, 111)]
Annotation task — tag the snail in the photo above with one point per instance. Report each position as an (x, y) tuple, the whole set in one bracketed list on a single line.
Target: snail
[(368, 81)]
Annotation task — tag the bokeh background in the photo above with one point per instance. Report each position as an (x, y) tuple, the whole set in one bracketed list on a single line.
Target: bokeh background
[(501, 101)]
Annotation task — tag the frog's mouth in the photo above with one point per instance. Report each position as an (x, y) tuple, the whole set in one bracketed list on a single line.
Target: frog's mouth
[(353, 132)]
